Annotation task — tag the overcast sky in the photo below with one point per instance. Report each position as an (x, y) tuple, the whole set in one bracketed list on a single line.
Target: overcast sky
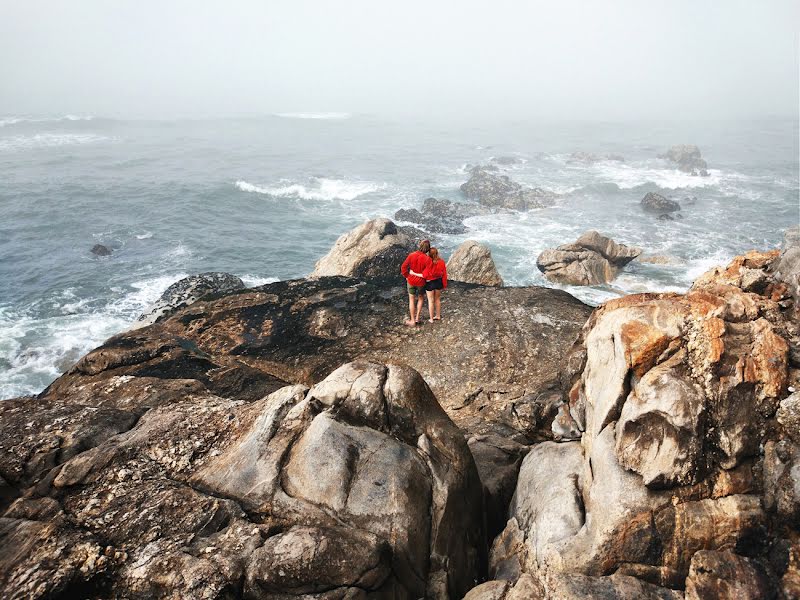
[(558, 59)]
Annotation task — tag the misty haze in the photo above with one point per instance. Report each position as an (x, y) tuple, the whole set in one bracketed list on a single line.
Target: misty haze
[(399, 300)]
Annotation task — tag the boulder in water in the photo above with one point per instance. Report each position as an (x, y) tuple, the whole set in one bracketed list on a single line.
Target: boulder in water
[(472, 262), (187, 291), (375, 248), (687, 158), (655, 202), (499, 191), (100, 250), (431, 222), (593, 259)]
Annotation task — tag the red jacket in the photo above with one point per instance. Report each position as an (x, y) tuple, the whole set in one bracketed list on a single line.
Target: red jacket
[(436, 270), (417, 261)]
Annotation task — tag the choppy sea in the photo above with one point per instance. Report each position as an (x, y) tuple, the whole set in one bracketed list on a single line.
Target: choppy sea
[(264, 198)]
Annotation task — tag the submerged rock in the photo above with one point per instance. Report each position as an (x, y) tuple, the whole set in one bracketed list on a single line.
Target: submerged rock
[(376, 248), (100, 250), (592, 259), (472, 262), (498, 191), (654, 202), (188, 291)]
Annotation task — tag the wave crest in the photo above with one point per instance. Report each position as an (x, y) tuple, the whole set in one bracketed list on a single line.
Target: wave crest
[(6, 121), (317, 189), (324, 116)]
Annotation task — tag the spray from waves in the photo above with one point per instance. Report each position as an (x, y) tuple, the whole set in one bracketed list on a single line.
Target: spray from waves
[(257, 280), (40, 341), (317, 189), (322, 116), (49, 140), (627, 176), (6, 121)]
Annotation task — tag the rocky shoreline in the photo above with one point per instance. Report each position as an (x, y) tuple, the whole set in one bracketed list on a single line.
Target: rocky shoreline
[(295, 440)]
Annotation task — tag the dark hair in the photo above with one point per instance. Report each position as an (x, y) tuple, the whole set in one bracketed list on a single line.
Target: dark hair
[(424, 246), (434, 254)]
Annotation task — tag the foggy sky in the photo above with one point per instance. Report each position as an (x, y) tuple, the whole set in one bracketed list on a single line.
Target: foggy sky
[(560, 59)]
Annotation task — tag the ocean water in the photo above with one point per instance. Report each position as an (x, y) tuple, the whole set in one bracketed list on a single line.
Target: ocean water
[(264, 198)]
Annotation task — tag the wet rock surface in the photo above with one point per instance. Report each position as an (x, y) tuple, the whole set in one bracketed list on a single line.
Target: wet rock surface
[(472, 262), (186, 291), (657, 203), (593, 259), (101, 250)]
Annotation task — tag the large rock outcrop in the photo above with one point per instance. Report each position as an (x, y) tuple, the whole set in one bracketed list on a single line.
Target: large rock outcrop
[(592, 259), (499, 191), (787, 267), (359, 487), (687, 158), (497, 348), (186, 291), (677, 403), (376, 248), (472, 262)]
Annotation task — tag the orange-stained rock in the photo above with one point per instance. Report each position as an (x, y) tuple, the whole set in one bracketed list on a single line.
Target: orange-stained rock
[(643, 345)]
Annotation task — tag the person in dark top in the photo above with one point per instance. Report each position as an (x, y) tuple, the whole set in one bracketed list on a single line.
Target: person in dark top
[(412, 269), (435, 281)]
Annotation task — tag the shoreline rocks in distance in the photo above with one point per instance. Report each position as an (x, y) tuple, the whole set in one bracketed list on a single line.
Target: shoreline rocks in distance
[(687, 158), (472, 262), (499, 191), (590, 158), (187, 291), (593, 259)]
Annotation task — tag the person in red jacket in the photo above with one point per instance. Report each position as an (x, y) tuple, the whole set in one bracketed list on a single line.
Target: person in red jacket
[(435, 281), (412, 269)]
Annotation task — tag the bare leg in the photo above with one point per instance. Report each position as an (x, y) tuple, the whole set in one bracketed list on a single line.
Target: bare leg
[(420, 302), (430, 295), (410, 310), (438, 294)]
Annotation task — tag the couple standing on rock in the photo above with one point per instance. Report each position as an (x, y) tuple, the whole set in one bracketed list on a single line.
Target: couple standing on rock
[(424, 272)]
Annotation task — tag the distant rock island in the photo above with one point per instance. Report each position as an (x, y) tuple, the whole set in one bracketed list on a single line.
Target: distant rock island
[(295, 440)]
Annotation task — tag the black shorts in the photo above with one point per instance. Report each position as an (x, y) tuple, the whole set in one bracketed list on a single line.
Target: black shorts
[(434, 284)]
